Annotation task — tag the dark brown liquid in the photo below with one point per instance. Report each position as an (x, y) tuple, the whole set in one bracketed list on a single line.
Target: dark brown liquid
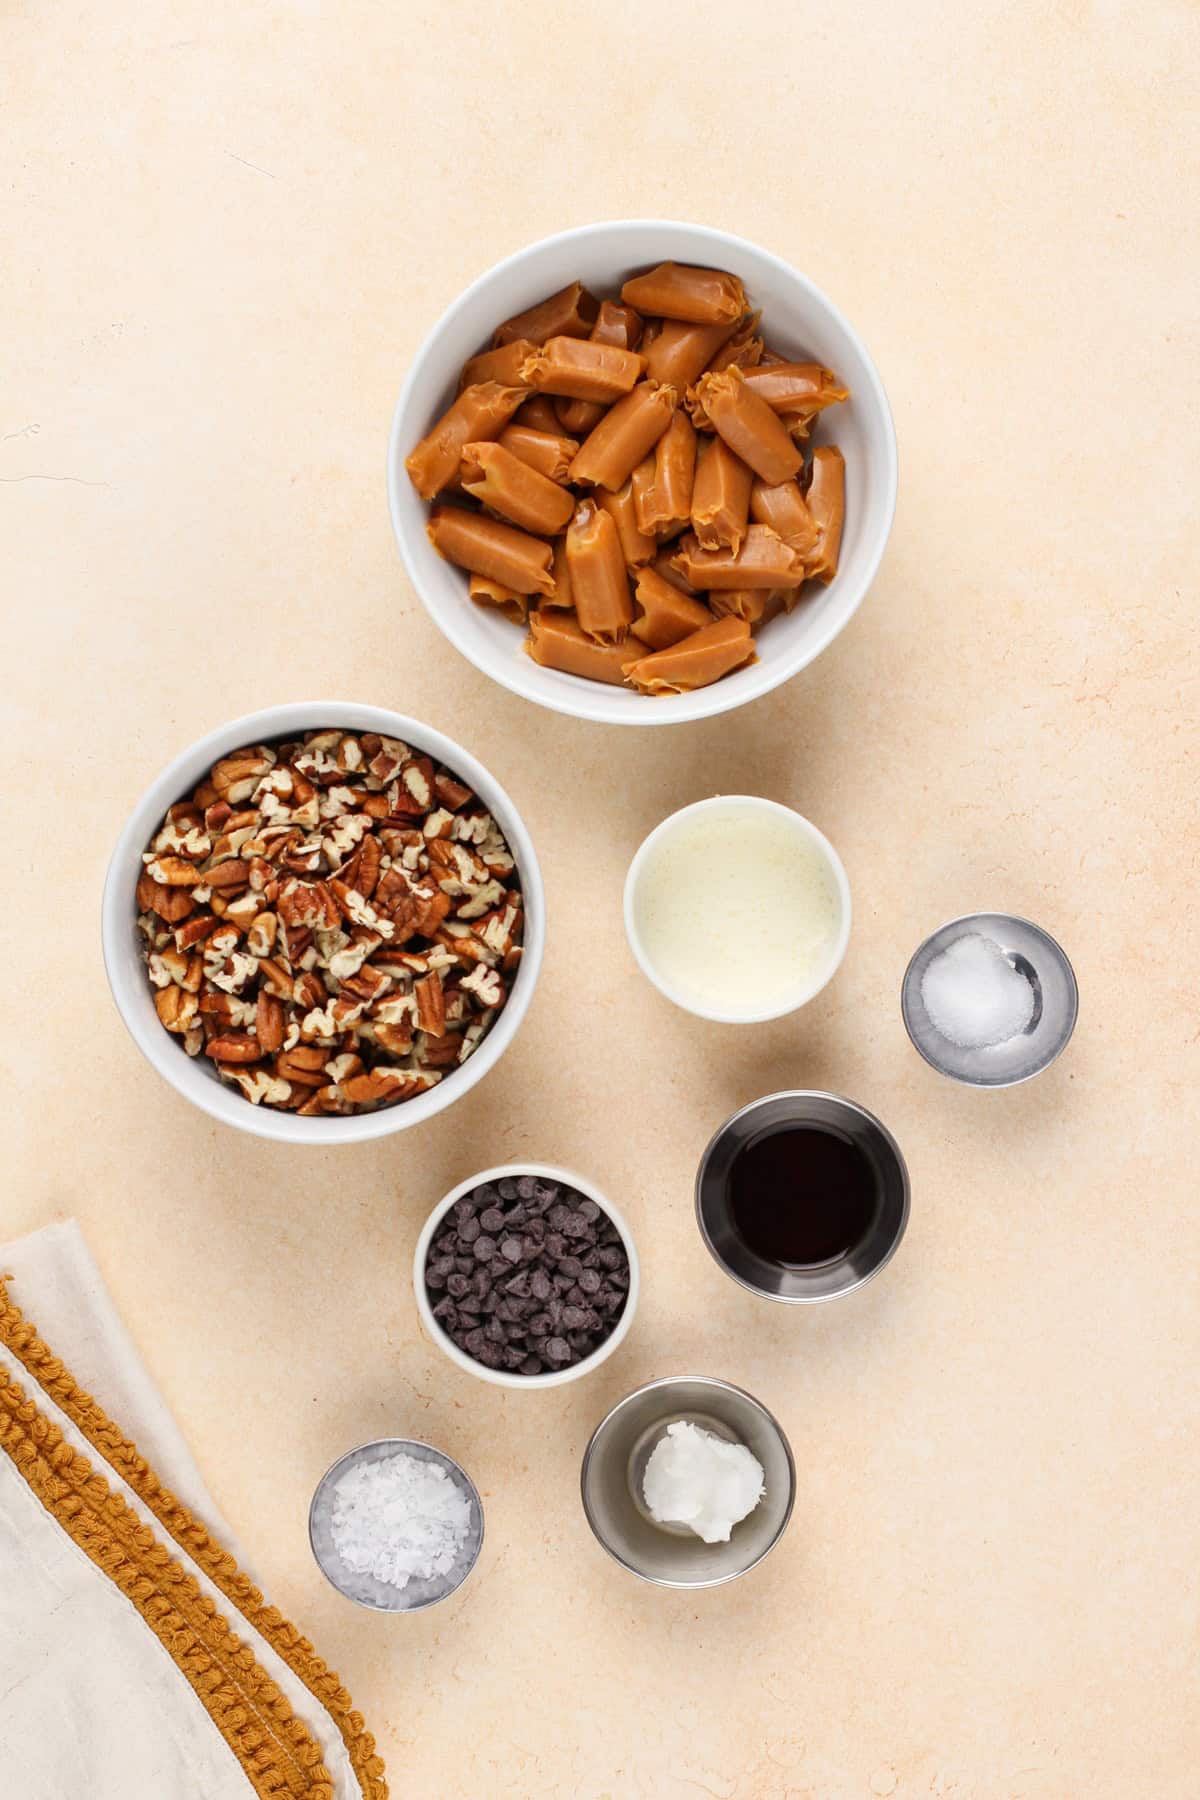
[(801, 1196)]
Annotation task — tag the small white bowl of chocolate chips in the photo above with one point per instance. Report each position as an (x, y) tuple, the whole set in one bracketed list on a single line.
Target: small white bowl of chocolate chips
[(526, 1275)]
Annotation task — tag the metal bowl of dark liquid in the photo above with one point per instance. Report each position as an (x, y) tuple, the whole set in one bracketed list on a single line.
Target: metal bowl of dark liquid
[(802, 1196)]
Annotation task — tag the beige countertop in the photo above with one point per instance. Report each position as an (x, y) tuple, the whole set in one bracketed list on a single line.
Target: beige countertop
[(227, 228)]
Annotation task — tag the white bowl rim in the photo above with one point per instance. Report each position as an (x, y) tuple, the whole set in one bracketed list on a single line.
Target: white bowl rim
[(165, 1054), (798, 997), (503, 1377), (752, 682)]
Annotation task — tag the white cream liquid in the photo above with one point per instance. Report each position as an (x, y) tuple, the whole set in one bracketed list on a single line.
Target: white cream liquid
[(736, 910)]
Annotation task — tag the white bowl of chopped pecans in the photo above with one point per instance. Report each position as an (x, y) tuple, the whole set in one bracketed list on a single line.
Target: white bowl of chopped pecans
[(323, 922)]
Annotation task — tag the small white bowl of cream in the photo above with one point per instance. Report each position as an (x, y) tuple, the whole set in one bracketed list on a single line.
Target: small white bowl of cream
[(738, 909)]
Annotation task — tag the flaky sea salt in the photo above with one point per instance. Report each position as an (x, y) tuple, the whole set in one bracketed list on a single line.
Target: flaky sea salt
[(973, 994), (399, 1519), (697, 1479)]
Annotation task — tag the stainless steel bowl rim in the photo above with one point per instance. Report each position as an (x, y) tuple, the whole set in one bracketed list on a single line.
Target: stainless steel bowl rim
[(725, 1387), (972, 918), (396, 1443), (863, 1113)]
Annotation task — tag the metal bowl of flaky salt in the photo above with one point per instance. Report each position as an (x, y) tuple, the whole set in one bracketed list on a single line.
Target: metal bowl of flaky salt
[(990, 999), (396, 1525)]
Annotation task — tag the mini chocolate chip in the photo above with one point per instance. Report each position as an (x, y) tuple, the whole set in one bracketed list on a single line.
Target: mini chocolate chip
[(434, 1278), (446, 1312), (531, 1366), (557, 1350), (558, 1216), (507, 1189), (464, 1264), (589, 1281), (469, 1231), (573, 1318), (570, 1265), (485, 1248), (540, 1284), (611, 1258), (457, 1285), (474, 1341), (590, 1210), (510, 1249), (465, 1208), (540, 1324), (575, 1226), (522, 1285), (492, 1219), (555, 1244)]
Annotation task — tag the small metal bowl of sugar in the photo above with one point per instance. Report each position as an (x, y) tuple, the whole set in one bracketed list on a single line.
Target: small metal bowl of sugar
[(989, 999), (396, 1525)]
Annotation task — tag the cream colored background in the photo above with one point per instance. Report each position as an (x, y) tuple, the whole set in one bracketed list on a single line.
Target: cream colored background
[(226, 228)]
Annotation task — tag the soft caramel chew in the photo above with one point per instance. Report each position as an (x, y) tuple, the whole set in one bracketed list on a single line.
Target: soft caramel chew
[(743, 349), (569, 313), (556, 642), (642, 485), (696, 661), (561, 593), (486, 592), (680, 353), (764, 561), (664, 614), (668, 505), (506, 485), (678, 291), (637, 546), (581, 369), (750, 604), (480, 412), (796, 387), (664, 565), (627, 432), (619, 325), (538, 412), (748, 425), (549, 452), (487, 547), (720, 496), (826, 498), (785, 510), (578, 417), (599, 583), (502, 365)]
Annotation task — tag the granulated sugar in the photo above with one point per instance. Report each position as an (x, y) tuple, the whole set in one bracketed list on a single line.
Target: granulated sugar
[(399, 1519), (973, 994)]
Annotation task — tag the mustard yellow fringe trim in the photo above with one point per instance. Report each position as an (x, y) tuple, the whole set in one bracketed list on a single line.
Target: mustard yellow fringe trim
[(192, 1537), (273, 1747)]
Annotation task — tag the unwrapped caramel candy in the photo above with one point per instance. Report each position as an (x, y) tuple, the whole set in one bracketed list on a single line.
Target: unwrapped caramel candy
[(481, 411), (695, 661), (763, 561), (676, 291), (556, 642)]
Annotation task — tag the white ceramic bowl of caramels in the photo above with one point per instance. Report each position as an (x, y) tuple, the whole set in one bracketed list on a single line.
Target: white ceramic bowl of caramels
[(730, 597)]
